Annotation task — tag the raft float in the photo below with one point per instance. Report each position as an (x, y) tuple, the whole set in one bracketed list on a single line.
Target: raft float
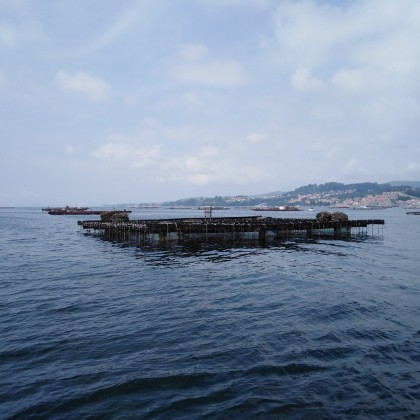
[(253, 227)]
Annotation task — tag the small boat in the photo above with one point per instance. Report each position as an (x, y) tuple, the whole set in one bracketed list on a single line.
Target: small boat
[(213, 208), (73, 211), (145, 206), (277, 208), (67, 208)]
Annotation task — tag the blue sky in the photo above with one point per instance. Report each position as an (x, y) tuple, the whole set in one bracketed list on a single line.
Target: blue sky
[(152, 100)]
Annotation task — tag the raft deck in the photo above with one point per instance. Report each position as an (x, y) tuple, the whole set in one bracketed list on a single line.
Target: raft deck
[(254, 227)]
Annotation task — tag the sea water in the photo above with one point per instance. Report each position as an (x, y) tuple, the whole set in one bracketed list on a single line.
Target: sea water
[(317, 328)]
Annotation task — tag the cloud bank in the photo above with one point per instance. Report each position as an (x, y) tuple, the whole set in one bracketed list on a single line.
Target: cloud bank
[(156, 101), (94, 88)]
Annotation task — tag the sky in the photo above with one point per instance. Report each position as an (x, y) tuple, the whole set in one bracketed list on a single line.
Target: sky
[(134, 101)]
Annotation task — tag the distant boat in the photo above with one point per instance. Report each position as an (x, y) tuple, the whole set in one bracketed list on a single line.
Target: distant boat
[(213, 208), (311, 209), (67, 208), (277, 208), (72, 211)]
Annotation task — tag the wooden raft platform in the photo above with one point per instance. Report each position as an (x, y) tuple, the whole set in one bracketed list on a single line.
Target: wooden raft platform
[(256, 227)]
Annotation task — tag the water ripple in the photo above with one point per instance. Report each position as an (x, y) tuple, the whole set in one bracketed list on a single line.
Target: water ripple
[(95, 328)]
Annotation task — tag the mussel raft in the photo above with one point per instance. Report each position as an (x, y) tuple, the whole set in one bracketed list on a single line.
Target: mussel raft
[(254, 227)]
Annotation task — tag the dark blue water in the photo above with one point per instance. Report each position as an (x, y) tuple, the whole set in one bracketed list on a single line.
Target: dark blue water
[(297, 329)]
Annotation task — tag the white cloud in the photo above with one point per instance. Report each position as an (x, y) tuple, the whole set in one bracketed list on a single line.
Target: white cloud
[(414, 167), (350, 164), (364, 45), (302, 80), (238, 110), (3, 79), (209, 152), (8, 36), (251, 4), (28, 194), (122, 23), (199, 179), (307, 30), (69, 150), (193, 64), (128, 155), (257, 137), (191, 97), (21, 31), (208, 167), (193, 52), (351, 80), (193, 163), (182, 161), (321, 30), (181, 133), (95, 88)]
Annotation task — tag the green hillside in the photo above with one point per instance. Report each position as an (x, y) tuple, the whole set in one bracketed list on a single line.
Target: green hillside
[(311, 194)]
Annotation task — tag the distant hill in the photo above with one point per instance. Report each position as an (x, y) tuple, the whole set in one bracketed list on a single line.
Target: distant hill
[(311, 194), (412, 184), (270, 194)]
